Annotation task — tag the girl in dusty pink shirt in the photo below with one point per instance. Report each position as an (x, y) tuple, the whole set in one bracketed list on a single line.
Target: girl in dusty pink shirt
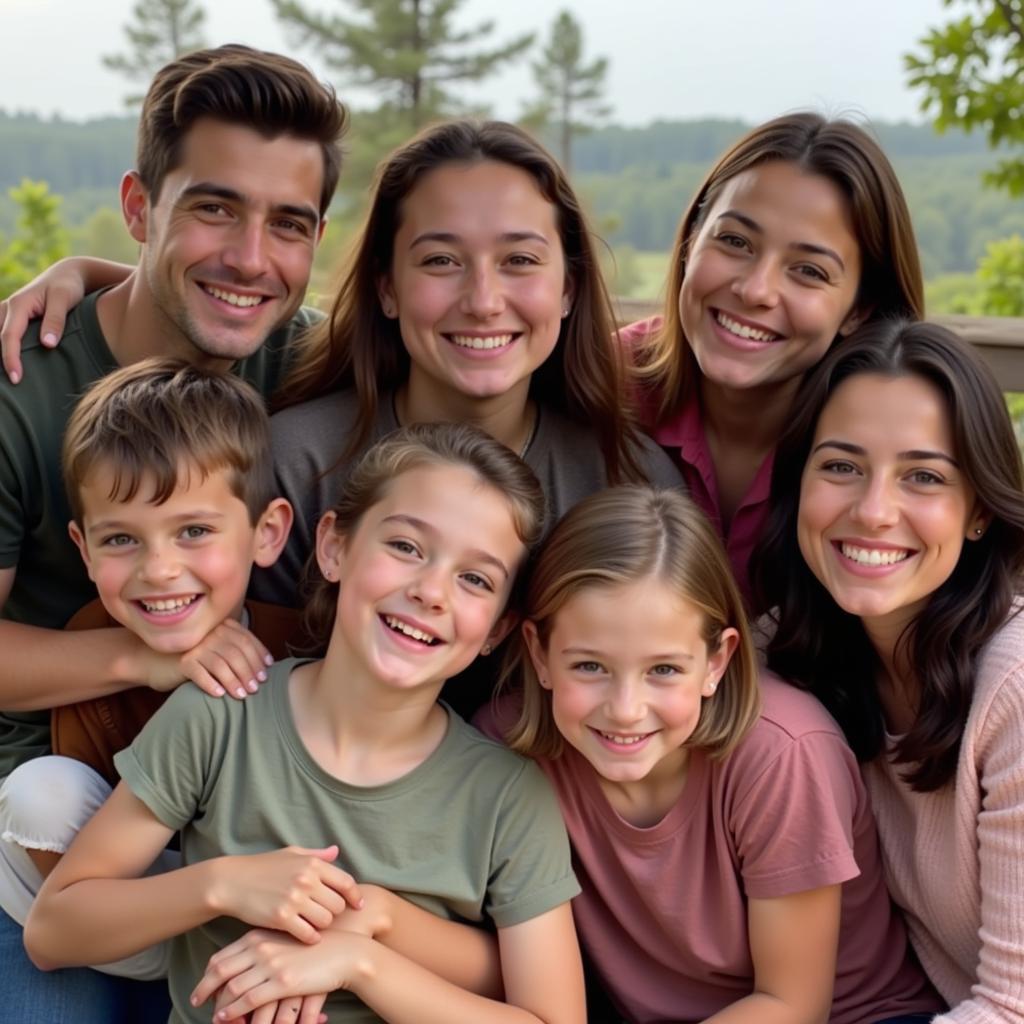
[(723, 838)]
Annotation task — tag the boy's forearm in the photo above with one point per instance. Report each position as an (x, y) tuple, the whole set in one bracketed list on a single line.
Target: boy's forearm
[(99, 920), (45, 668)]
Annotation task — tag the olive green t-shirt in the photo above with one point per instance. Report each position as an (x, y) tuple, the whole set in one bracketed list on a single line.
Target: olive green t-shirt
[(473, 833), (51, 584)]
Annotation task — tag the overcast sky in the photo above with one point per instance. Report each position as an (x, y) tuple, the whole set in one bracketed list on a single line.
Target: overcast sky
[(750, 59)]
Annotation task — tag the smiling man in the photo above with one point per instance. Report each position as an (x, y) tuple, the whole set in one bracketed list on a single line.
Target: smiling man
[(238, 155)]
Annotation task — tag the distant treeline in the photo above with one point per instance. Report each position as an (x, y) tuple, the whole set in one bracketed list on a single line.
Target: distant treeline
[(636, 180)]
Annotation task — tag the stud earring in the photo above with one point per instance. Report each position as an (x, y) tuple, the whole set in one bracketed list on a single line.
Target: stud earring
[(486, 649), (978, 531)]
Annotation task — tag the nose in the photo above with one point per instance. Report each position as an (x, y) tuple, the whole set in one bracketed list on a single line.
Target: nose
[(160, 564), (246, 252), (876, 505), (757, 284), (625, 704), (483, 296), (429, 588)]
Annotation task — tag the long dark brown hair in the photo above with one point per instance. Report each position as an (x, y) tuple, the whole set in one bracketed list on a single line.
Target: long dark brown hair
[(890, 282), (358, 347), (824, 649)]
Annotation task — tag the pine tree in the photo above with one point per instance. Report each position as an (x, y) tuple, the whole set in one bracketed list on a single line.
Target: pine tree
[(407, 50), (161, 30), (572, 92)]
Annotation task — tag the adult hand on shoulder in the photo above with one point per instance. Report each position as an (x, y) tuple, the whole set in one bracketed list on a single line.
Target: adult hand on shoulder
[(266, 972), (52, 295), (229, 659), (292, 890)]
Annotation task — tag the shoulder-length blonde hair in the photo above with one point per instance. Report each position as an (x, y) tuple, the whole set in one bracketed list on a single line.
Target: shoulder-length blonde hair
[(620, 536)]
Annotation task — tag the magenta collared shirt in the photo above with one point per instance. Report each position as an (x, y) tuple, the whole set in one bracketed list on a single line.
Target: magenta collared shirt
[(684, 440)]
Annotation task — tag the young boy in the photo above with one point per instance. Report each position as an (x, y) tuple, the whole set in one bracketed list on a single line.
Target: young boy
[(169, 478)]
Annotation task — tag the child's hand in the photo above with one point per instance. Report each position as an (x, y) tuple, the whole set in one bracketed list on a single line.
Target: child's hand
[(264, 968), (293, 890), (229, 659)]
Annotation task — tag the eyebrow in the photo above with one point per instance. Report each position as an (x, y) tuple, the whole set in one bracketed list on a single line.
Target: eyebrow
[(587, 652), (209, 188), (449, 238), (425, 527), (808, 247), (912, 454), (204, 514)]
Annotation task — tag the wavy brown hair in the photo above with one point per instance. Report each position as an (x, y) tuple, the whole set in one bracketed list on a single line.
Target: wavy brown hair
[(890, 282), (824, 649), (413, 447), (358, 347), (267, 92), (619, 536)]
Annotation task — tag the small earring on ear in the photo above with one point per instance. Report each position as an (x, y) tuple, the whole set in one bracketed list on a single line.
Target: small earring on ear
[(978, 531), (565, 312), (486, 649)]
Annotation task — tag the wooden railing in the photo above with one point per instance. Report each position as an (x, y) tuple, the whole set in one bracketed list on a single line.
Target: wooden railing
[(999, 339)]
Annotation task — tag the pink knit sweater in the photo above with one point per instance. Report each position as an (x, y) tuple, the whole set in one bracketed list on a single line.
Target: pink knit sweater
[(955, 857)]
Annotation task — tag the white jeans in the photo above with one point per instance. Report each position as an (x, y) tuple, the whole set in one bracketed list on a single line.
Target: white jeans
[(43, 805)]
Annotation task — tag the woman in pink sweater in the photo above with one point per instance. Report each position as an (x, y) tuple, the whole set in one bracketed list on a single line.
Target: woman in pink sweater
[(894, 559)]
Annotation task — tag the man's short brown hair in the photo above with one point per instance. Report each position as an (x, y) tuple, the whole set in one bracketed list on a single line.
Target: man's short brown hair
[(269, 93), (157, 418)]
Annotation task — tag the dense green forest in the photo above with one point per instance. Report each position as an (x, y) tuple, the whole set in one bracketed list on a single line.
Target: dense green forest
[(636, 180)]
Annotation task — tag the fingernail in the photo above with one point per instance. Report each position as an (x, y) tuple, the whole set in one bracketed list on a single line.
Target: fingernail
[(253, 685), (268, 659), (193, 1000), (218, 691), (261, 676), (49, 339), (15, 376), (240, 692)]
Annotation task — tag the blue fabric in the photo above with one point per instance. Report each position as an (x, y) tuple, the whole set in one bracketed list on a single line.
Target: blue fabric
[(75, 995)]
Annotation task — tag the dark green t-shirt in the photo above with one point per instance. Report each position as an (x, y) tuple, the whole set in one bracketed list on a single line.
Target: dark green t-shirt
[(51, 584)]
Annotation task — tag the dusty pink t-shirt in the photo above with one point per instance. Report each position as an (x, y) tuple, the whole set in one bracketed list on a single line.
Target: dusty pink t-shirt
[(663, 911), (684, 441)]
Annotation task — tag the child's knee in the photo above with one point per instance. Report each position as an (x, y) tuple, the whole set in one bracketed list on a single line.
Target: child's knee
[(45, 802)]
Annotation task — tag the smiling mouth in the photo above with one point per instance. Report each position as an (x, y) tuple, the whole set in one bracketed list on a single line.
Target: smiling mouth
[(623, 741), (475, 341), (873, 556), (233, 298), (396, 625), (168, 605), (742, 330)]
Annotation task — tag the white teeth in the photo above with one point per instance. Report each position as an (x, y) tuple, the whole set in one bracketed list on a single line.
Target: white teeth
[(873, 556), (471, 341), (751, 333), (169, 604), (623, 741), (403, 627), (233, 298)]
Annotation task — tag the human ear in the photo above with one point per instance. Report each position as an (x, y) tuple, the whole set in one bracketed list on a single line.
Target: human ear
[(330, 547), (386, 295), (718, 661), (272, 532), (134, 205), (499, 631), (978, 524), (538, 655), (83, 549)]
